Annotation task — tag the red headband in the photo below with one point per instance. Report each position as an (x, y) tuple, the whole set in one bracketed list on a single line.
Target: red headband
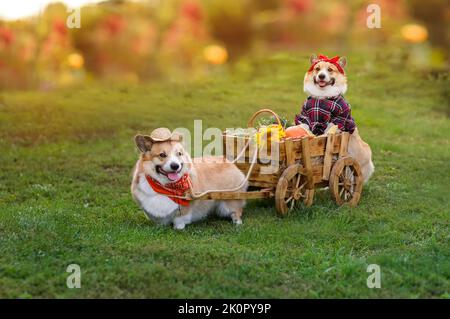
[(324, 58)]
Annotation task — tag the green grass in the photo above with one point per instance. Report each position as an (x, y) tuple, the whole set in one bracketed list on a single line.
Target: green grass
[(66, 159)]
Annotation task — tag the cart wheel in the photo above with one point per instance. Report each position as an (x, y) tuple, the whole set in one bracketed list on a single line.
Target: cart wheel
[(346, 181), (291, 189)]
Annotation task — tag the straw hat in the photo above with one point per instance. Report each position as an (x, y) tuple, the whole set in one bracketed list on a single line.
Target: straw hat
[(163, 134)]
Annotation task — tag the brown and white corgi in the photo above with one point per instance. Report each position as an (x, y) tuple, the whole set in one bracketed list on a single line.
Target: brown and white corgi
[(326, 77), (325, 83), (163, 169)]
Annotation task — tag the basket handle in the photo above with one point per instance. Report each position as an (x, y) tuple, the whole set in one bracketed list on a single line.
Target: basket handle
[(252, 119)]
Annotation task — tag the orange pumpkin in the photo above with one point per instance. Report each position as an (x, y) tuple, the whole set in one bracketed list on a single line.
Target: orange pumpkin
[(296, 132)]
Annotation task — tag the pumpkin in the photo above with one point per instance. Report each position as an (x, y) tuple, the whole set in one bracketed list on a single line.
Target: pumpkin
[(296, 132)]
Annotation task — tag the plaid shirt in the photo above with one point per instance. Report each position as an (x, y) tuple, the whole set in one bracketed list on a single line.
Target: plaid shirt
[(318, 113)]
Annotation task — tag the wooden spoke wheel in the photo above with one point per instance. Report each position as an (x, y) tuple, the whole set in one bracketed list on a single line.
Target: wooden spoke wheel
[(346, 181), (292, 189)]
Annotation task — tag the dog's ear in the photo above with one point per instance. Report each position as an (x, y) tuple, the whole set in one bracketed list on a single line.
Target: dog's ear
[(143, 142), (177, 137), (342, 61), (313, 58)]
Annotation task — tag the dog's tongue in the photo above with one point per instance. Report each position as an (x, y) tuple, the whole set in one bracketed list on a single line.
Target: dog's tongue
[(174, 176)]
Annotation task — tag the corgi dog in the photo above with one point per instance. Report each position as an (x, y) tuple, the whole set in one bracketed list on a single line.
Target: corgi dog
[(326, 110), (326, 77), (165, 172)]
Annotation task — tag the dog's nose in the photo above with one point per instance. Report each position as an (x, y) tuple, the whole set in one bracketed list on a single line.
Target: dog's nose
[(321, 76), (174, 166)]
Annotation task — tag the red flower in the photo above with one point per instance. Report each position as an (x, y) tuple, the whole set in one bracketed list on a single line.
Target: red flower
[(192, 11), (6, 36), (299, 6), (60, 27), (114, 24)]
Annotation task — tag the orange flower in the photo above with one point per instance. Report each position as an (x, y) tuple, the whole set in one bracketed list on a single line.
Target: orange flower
[(414, 33), (75, 60), (215, 54)]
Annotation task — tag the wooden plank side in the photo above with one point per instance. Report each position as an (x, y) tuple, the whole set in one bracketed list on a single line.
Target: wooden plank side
[(239, 195), (233, 145), (266, 179), (337, 143), (229, 146), (343, 147), (306, 160), (263, 184), (318, 145), (266, 154), (328, 156), (317, 175), (295, 150), (290, 152), (266, 175), (260, 169)]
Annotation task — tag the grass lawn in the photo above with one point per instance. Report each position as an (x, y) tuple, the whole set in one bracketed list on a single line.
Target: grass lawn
[(66, 159)]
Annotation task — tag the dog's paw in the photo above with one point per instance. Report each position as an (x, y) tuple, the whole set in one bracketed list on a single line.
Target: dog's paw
[(179, 226), (332, 129), (237, 221), (305, 126)]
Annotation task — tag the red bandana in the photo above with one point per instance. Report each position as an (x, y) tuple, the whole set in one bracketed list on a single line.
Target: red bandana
[(178, 188), (324, 58)]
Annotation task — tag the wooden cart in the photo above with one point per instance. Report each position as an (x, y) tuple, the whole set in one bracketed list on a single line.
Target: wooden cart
[(291, 169)]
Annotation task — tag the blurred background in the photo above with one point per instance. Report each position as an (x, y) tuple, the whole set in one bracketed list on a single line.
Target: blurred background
[(179, 40)]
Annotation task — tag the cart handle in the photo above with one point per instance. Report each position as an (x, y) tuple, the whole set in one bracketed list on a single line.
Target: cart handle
[(252, 119)]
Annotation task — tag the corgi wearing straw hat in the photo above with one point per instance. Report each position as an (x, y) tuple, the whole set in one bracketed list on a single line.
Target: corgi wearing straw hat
[(165, 175)]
